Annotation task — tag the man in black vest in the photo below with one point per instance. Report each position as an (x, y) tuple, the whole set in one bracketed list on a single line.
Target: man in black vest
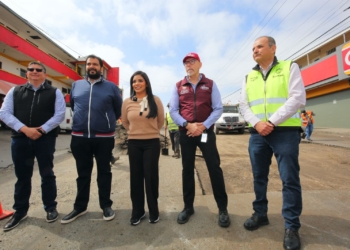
[(33, 111)]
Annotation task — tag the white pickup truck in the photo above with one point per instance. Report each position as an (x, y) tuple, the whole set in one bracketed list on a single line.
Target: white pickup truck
[(230, 120), (68, 120)]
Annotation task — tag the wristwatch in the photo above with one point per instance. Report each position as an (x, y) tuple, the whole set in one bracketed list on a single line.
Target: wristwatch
[(185, 124)]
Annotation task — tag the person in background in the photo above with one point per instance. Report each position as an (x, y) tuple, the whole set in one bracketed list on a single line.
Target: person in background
[(271, 98), (195, 106), (174, 134), (33, 111), (143, 117), (308, 122), (96, 103)]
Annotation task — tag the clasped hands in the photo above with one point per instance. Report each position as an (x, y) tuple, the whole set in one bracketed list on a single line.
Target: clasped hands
[(264, 128), (195, 129), (32, 133)]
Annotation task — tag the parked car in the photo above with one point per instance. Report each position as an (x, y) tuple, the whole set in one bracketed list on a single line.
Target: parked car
[(230, 120), (68, 119)]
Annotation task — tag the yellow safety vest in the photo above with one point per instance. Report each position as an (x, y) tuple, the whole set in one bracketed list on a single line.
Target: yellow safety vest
[(171, 124), (266, 96)]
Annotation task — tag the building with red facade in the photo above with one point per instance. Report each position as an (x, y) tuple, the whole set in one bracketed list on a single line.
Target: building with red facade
[(326, 73), (21, 42)]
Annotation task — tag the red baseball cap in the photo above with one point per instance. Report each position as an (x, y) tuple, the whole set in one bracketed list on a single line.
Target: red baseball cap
[(191, 55)]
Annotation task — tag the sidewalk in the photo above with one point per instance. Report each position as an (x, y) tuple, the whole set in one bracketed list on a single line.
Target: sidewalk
[(336, 137)]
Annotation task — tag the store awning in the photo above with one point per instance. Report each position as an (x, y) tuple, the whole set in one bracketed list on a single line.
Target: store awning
[(5, 87)]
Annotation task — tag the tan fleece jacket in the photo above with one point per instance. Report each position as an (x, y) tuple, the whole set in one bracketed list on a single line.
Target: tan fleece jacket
[(140, 127)]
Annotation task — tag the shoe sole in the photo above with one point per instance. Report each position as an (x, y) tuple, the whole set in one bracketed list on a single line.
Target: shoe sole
[(109, 218), (154, 221), (52, 220), (255, 228), (225, 225), (74, 218), (10, 228), (138, 222)]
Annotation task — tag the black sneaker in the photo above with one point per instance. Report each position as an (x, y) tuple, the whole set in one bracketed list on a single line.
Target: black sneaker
[(72, 216), (51, 215), (255, 222), (291, 240), (108, 213), (114, 159), (14, 221), (152, 221), (185, 215), (224, 218), (136, 220)]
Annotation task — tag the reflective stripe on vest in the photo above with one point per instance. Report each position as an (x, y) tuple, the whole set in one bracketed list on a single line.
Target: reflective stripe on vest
[(171, 124), (265, 97)]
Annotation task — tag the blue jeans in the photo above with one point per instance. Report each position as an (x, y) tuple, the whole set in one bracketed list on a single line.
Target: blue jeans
[(285, 146), (24, 150), (308, 130)]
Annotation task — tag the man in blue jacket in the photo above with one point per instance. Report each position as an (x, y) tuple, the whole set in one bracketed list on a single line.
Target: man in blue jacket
[(96, 103)]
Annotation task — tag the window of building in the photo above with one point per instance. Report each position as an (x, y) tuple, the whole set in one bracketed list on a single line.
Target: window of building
[(22, 72), (330, 51), (0, 65), (65, 90)]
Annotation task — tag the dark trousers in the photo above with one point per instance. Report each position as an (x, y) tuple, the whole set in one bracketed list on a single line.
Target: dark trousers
[(285, 146), (83, 150), (144, 172), (212, 160), (24, 150), (175, 140)]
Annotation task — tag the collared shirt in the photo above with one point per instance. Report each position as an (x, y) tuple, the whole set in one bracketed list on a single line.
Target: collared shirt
[(7, 111), (296, 99), (215, 100)]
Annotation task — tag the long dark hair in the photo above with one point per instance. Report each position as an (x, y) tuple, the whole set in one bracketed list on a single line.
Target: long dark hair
[(153, 109)]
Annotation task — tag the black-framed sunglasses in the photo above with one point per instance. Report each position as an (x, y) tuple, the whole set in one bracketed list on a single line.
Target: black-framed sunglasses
[(32, 69)]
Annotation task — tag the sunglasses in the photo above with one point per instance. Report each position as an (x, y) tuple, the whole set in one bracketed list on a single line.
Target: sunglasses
[(32, 69)]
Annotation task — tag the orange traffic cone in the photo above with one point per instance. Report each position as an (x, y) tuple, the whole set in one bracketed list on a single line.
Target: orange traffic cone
[(4, 213)]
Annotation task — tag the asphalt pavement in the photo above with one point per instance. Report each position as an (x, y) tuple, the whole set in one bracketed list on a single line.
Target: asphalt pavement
[(325, 218)]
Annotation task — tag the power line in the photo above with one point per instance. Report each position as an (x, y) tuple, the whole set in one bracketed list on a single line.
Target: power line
[(229, 61), (315, 29), (318, 37)]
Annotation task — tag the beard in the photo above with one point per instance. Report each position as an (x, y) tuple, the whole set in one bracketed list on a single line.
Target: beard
[(95, 75)]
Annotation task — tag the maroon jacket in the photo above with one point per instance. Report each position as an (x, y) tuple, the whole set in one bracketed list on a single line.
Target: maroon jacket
[(195, 106)]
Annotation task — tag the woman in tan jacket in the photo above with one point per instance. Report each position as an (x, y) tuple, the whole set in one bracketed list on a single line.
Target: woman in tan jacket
[(143, 117)]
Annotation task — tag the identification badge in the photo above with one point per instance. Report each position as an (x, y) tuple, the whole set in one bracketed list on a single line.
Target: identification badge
[(204, 137)]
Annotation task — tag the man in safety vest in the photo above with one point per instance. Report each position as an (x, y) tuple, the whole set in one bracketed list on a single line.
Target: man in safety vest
[(174, 134), (272, 94), (308, 122)]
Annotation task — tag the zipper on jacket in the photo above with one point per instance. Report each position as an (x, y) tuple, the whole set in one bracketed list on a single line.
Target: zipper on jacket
[(195, 105), (89, 113), (265, 100), (31, 109), (109, 125)]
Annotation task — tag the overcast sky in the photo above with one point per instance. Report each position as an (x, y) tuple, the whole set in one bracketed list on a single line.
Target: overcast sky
[(155, 35)]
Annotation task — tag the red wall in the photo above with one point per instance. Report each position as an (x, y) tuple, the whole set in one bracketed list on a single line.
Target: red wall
[(113, 75), (8, 77), (320, 71), (28, 49)]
